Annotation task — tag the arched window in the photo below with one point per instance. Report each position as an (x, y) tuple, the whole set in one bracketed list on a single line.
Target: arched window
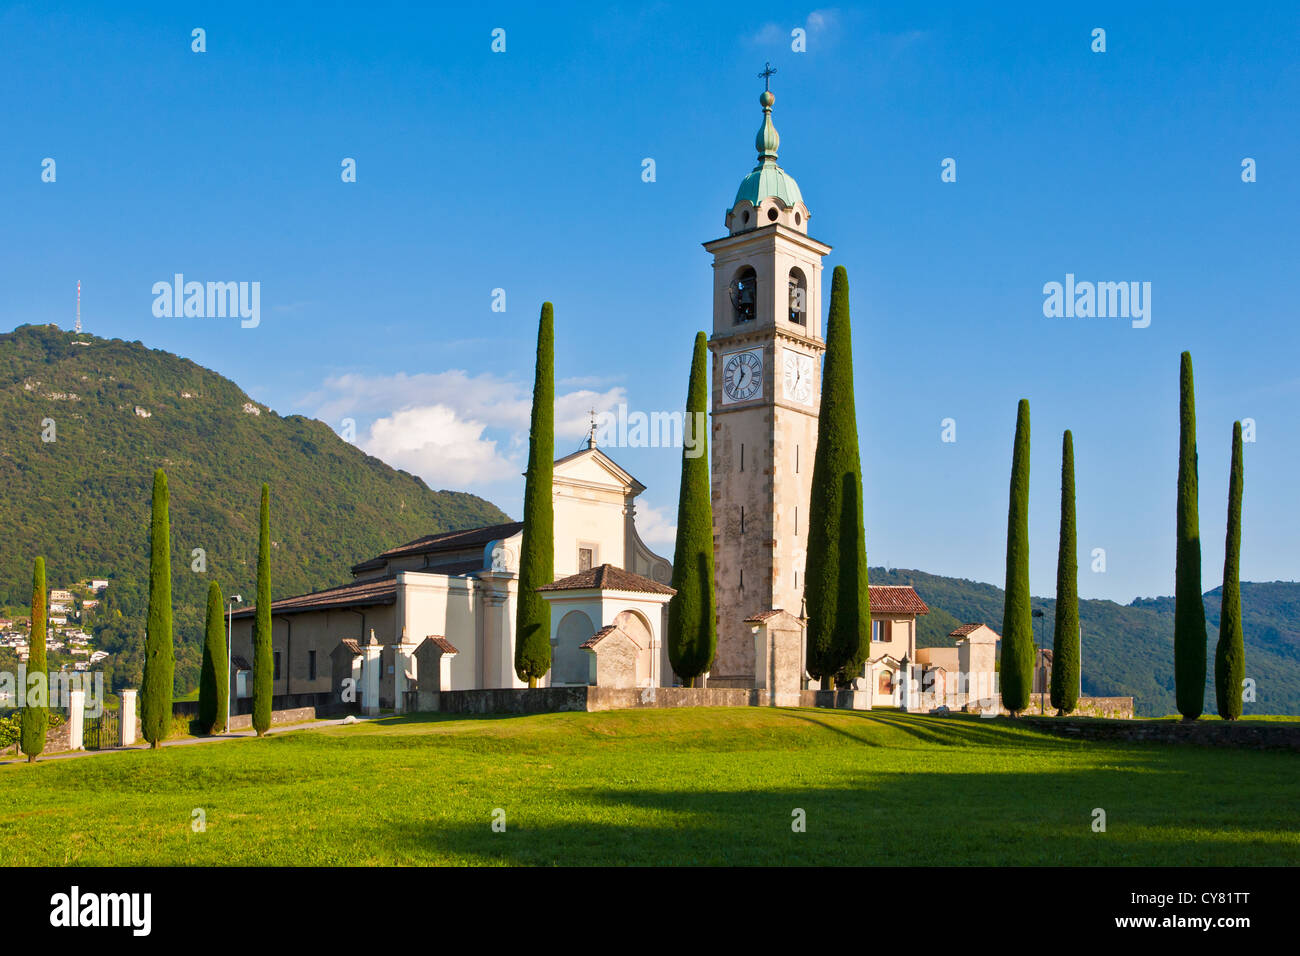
[(886, 682), (744, 295), (798, 297)]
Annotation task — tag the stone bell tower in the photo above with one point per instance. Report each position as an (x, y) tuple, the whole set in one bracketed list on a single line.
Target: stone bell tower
[(767, 345)]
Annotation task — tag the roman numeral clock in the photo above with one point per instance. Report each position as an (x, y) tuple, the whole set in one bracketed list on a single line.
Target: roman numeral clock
[(767, 347)]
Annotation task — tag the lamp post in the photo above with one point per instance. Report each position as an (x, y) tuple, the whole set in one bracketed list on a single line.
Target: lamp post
[(230, 650)]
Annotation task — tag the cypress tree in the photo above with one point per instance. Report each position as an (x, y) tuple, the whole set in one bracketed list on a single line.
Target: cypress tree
[(1189, 607), (1017, 667), (263, 660), (835, 579), (159, 652), (213, 689), (1065, 642), (1230, 652), (537, 551), (35, 717), (692, 611)]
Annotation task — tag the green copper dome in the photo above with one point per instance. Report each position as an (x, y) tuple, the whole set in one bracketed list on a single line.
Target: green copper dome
[(767, 178)]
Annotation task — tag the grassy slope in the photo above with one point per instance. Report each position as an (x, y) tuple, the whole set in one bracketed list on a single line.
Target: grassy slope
[(678, 786)]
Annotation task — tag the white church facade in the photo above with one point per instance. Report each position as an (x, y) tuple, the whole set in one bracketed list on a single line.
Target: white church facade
[(445, 604)]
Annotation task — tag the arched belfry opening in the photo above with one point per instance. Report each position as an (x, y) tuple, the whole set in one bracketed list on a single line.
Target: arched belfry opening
[(744, 295), (798, 286)]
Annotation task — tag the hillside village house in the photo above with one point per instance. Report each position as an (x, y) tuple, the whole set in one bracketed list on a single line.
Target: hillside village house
[(442, 608)]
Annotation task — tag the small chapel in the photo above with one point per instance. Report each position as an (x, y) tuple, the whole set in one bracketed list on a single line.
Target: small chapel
[(440, 610)]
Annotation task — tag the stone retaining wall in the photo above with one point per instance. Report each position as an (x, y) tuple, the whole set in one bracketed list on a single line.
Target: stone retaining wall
[(546, 700), (1249, 734), (1113, 707), (295, 716), (56, 741)]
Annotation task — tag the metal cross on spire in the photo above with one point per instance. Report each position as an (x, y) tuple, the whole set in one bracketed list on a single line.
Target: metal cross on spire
[(591, 435), (766, 76)]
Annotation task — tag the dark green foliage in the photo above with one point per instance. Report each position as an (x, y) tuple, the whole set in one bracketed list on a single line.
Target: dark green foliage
[(35, 720), (1065, 642), (1017, 669), (159, 654), (835, 580), (1189, 609), (85, 496), (1127, 649), (692, 611), (263, 660), (214, 679), (1230, 652), (537, 551)]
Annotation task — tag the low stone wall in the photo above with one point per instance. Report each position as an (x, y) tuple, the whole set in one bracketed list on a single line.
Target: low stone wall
[(610, 698), (1248, 734), (504, 700), (295, 716), (546, 700), (1119, 708), (57, 740)]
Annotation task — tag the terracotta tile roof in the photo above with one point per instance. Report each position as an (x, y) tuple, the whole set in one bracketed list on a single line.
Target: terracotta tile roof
[(896, 599), (762, 616), (610, 578), (359, 594), (444, 645), (966, 630), (445, 541), (351, 644), (604, 632), (239, 664)]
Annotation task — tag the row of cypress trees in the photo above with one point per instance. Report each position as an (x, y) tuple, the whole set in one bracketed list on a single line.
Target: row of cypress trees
[(1189, 607), (214, 680), (1190, 638)]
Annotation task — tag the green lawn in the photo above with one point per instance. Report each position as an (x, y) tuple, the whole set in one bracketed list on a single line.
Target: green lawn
[(672, 786)]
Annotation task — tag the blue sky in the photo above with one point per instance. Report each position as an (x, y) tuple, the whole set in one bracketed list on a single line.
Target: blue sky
[(522, 171)]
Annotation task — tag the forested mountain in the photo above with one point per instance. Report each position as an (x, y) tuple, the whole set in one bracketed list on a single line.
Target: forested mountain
[(117, 410), (1128, 649)]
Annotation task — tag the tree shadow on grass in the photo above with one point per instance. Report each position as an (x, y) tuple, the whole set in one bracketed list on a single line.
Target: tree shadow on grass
[(928, 819), (954, 730)]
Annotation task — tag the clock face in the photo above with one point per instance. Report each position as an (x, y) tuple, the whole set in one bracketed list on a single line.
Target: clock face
[(742, 376), (797, 377)]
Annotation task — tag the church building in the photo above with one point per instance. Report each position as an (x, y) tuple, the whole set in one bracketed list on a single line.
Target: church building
[(445, 604)]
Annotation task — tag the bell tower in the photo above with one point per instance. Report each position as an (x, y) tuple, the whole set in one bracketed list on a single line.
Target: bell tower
[(767, 345)]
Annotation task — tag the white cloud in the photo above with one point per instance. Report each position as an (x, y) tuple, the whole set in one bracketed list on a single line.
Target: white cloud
[(655, 527), (817, 23), (444, 449), (451, 428), (573, 411), (486, 398)]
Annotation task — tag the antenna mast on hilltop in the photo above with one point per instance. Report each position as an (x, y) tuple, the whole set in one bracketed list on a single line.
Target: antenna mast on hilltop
[(78, 326)]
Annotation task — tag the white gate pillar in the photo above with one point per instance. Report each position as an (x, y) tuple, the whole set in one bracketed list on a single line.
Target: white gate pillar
[(76, 719), (126, 719)]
